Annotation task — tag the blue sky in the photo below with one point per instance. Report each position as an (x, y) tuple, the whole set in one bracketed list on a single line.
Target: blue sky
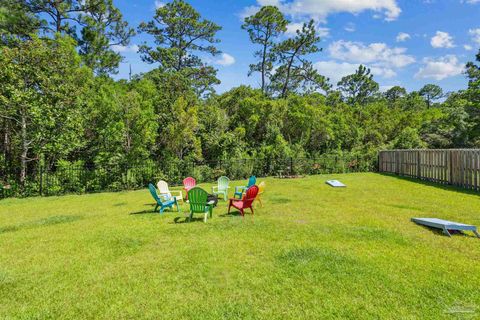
[(408, 43)]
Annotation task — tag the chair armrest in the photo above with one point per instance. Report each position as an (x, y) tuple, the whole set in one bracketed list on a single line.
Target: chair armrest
[(214, 187), (240, 188), (179, 192), (164, 196)]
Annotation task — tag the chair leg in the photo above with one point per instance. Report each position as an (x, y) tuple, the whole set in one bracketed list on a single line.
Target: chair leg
[(251, 208), (260, 200), (156, 207), (161, 209), (229, 207)]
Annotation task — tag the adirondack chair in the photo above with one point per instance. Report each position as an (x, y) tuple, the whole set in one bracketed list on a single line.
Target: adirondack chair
[(166, 193), (261, 190), (188, 183), (246, 201), (198, 200), (222, 187), (240, 190), (162, 204)]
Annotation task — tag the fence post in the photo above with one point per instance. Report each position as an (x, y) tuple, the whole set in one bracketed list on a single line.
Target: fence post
[(291, 166), (419, 165), (450, 167)]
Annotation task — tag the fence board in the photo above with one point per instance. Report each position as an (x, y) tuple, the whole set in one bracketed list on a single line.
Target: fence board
[(459, 167)]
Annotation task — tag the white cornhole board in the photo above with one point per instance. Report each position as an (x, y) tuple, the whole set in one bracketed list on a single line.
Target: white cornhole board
[(335, 184)]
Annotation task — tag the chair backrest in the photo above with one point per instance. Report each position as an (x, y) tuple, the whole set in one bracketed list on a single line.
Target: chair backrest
[(153, 192), (189, 182), (223, 183), (249, 196), (251, 181), (163, 187), (198, 199), (261, 187)]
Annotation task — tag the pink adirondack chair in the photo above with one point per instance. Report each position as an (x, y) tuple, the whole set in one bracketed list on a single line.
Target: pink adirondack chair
[(246, 201), (188, 183)]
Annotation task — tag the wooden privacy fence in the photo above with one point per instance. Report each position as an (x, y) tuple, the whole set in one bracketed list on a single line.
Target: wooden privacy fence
[(459, 167)]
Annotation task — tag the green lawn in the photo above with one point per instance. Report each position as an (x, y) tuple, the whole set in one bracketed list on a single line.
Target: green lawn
[(312, 252)]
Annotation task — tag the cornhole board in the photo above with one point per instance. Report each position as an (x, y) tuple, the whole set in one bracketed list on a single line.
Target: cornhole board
[(335, 184), (446, 225)]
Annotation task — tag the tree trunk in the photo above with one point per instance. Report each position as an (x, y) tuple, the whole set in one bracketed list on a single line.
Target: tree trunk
[(58, 17), (23, 156), (6, 147), (287, 78), (263, 67)]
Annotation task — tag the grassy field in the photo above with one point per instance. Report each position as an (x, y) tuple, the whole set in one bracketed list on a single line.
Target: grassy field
[(312, 252)]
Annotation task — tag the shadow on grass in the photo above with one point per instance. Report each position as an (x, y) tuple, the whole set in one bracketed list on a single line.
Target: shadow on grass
[(182, 220), (440, 233), (446, 187), (143, 212), (120, 204), (232, 214), (40, 223)]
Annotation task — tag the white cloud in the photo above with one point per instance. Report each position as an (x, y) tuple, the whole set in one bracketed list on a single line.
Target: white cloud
[(350, 27), (335, 70), (475, 34), (377, 54), (118, 48), (225, 60), (159, 4), (294, 26), (467, 47), (441, 68), (321, 9), (402, 36), (442, 40), (471, 1), (385, 88)]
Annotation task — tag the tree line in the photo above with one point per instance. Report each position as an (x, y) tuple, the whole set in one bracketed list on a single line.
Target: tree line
[(60, 105)]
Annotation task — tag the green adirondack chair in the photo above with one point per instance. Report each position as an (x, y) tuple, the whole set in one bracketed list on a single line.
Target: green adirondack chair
[(222, 187), (198, 200)]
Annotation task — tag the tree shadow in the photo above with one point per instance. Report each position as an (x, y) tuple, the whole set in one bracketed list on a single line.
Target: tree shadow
[(437, 185)]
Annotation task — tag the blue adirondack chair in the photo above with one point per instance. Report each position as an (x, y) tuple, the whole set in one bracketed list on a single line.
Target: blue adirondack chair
[(167, 203), (240, 190)]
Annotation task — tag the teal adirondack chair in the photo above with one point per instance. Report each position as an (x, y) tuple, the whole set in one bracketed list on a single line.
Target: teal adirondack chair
[(240, 190), (198, 200), (222, 187), (167, 203)]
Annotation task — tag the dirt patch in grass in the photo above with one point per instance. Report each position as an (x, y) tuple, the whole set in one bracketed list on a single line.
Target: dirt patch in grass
[(280, 200), (374, 234), (40, 223)]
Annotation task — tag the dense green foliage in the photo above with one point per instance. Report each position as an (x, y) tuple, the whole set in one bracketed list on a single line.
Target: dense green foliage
[(350, 254), (59, 106)]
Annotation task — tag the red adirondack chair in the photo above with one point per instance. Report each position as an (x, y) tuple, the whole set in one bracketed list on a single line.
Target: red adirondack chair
[(245, 202), (188, 183)]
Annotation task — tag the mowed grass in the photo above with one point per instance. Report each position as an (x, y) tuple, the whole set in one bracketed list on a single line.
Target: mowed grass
[(312, 252)]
